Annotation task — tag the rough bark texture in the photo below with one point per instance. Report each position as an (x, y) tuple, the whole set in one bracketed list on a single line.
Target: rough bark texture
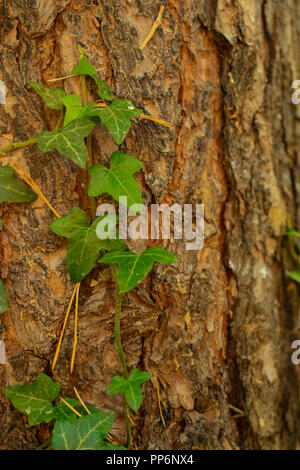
[(215, 330)]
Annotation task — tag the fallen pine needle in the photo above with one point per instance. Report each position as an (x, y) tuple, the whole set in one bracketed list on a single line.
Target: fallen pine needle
[(63, 328), (156, 24), (70, 76), (27, 178), (157, 120), (71, 408), (82, 402), (75, 329), (159, 402)]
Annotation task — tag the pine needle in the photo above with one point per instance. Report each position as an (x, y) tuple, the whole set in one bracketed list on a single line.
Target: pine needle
[(156, 24), (70, 76), (63, 328), (82, 402), (159, 402), (157, 120), (71, 408), (75, 328), (27, 178)]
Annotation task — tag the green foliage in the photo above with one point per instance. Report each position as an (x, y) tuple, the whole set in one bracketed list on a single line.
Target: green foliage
[(73, 107), (35, 399), (295, 275), (3, 299), (2, 222), (117, 118), (85, 433), (12, 189), (69, 141), (85, 68), (84, 245), (133, 267), (130, 387), (118, 180), (53, 97)]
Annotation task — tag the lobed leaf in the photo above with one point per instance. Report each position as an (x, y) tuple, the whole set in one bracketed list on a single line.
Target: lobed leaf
[(53, 97), (85, 68), (133, 267), (118, 180), (35, 399), (84, 245), (130, 387), (12, 189), (3, 299), (85, 433), (295, 275), (117, 118), (69, 141)]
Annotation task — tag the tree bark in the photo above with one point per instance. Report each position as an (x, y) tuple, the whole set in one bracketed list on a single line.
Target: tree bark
[(215, 331)]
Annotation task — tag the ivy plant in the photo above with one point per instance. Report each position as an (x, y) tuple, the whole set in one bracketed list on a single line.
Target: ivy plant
[(88, 427)]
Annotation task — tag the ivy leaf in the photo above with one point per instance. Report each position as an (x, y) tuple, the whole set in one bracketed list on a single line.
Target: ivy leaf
[(84, 245), (73, 107), (63, 412), (3, 299), (85, 68), (130, 387), (2, 222), (104, 90), (118, 180), (116, 118), (35, 399), (69, 141), (133, 267), (12, 189), (53, 97), (295, 275), (85, 433)]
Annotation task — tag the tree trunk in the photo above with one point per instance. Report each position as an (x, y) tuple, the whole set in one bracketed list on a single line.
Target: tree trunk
[(215, 331)]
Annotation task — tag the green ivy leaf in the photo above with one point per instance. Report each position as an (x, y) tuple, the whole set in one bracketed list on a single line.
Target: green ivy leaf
[(116, 118), (118, 180), (104, 90), (295, 275), (3, 299), (73, 107), (2, 222), (130, 387), (85, 68), (35, 399), (12, 189), (69, 141), (63, 412), (133, 267), (84, 245), (85, 433), (53, 97)]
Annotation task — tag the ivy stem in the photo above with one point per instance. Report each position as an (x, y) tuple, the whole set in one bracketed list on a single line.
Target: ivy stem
[(89, 137), (119, 348), (19, 145)]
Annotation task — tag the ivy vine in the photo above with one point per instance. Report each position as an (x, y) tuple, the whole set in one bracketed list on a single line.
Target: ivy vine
[(79, 426)]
